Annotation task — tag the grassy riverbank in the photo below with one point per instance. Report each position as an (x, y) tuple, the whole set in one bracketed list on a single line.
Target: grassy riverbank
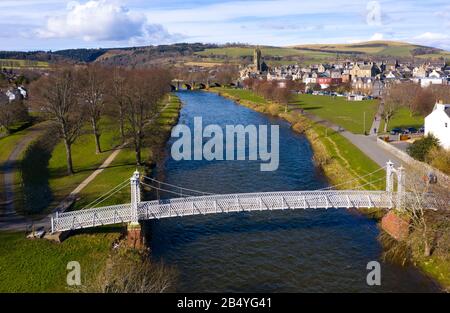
[(40, 266)]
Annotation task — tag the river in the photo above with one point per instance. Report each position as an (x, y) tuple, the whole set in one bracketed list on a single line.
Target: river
[(280, 251)]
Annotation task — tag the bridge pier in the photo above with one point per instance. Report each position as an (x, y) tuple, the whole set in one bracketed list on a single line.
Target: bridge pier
[(135, 238)]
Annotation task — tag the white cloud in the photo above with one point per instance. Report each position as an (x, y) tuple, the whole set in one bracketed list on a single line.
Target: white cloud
[(432, 36), (377, 36), (104, 20), (433, 39)]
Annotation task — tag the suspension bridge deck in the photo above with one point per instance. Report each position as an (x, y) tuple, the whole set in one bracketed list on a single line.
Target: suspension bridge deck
[(227, 203)]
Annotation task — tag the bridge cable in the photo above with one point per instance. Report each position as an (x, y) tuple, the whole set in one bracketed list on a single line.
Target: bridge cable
[(170, 191), (179, 187), (354, 179), (107, 194)]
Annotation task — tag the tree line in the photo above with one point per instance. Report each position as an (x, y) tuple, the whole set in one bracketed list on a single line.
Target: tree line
[(75, 97), (410, 95)]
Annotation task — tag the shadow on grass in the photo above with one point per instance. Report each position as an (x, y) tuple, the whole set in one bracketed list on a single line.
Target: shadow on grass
[(107, 229), (36, 194)]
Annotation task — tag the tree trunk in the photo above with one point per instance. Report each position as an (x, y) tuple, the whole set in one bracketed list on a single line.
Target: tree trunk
[(138, 155), (427, 249), (138, 151), (97, 137), (386, 121), (69, 157), (121, 123)]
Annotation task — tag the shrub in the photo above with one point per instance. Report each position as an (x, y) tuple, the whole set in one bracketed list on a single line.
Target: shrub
[(420, 148), (273, 109), (440, 159)]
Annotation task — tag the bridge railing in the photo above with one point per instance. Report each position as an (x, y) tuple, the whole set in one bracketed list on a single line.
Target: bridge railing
[(222, 204), (264, 201), (92, 217)]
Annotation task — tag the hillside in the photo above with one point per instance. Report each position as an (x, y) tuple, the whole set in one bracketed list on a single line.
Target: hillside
[(210, 55), (377, 48)]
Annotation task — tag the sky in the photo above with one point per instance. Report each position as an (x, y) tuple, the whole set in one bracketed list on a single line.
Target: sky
[(61, 24)]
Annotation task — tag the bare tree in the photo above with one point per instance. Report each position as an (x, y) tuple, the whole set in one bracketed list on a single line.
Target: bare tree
[(57, 95), (427, 208), (392, 98), (92, 92), (117, 97), (11, 113), (144, 90)]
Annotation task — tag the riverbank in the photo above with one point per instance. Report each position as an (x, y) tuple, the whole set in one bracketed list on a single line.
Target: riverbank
[(40, 266), (341, 162)]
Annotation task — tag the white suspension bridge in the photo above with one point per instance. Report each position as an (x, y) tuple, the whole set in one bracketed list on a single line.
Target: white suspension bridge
[(194, 202)]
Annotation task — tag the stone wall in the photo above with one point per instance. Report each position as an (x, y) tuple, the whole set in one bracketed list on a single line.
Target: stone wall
[(422, 167), (396, 226)]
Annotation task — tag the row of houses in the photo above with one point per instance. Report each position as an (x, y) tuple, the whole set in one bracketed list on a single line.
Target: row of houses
[(13, 94), (366, 78)]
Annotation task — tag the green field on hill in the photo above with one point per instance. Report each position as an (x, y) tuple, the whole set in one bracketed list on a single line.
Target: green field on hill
[(15, 63)]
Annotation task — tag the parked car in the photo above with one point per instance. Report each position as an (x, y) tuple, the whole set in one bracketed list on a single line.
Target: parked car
[(422, 129), (412, 130), (396, 131)]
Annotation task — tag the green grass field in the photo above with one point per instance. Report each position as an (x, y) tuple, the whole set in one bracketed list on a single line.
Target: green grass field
[(15, 63), (236, 52), (85, 160), (347, 114), (40, 265), (243, 94), (403, 119)]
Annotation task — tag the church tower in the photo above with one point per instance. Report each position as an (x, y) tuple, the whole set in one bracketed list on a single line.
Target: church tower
[(257, 59)]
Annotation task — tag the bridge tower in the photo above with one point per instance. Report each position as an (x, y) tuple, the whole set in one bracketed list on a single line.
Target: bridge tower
[(135, 238), (400, 173)]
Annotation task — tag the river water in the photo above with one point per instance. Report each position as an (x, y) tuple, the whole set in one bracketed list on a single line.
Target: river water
[(281, 251)]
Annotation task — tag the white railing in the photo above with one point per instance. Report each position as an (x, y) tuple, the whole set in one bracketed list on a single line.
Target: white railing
[(228, 203)]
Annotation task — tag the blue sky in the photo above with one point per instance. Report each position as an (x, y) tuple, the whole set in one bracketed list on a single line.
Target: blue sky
[(61, 24)]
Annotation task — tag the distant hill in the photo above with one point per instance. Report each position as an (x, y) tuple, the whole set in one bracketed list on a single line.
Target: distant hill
[(198, 54), (378, 48)]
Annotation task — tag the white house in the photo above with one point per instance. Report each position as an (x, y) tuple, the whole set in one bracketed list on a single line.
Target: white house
[(427, 81), (438, 123)]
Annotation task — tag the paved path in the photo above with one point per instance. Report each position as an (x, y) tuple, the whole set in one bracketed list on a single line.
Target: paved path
[(375, 128), (366, 144), (9, 219)]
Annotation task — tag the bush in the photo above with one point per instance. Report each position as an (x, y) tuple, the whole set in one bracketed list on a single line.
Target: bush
[(273, 109), (440, 159), (420, 148)]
